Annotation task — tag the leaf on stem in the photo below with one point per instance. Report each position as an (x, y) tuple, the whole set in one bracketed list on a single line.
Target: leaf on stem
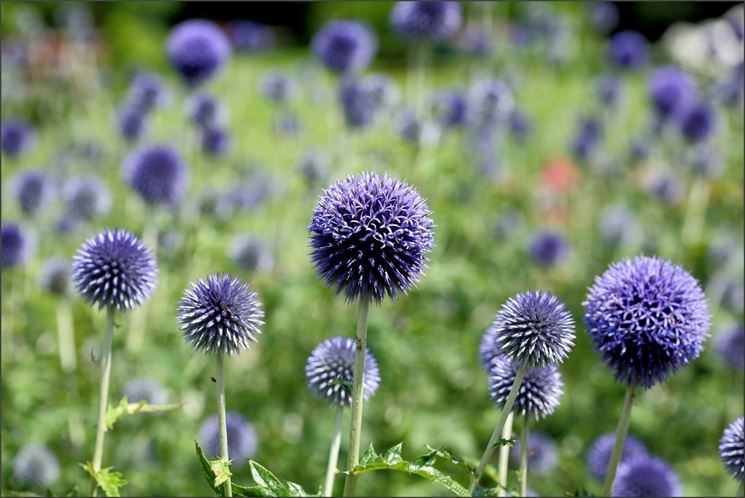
[(126, 408), (107, 479)]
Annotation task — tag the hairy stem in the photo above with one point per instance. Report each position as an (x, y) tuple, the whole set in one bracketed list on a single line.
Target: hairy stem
[(621, 431), (221, 419), (103, 400), (504, 457), (524, 457), (331, 469)]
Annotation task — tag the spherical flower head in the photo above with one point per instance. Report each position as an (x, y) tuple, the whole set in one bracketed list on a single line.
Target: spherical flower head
[(548, 248), (732, 449), (131, 122), (314, 165), (608, 89), (145, 389), (729, 345), (35, 465), (381, 90), (277, 87), (356, 104), (330, 371), (33, 189), (114, 269), (539, 392), (18, 245), (542, 454), (216, 141), (628, 50), (604, 16), (646, 476), (147, 92), (251, 253), (55, 276), (489, 347), (697, 123), (451, 108), (157, 173), (370, 236), (249, 36), (648, 318), (16, 137), (490, 101), (220, 315), (619, 225), (600, 451), (242, 439), (205, 111), (344, 46), (670, 90), (86, 198), (197, 49), (426, 19)]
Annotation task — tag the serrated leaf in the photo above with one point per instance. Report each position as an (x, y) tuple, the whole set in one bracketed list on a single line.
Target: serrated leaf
[(264, 478), (393, 454), (126, 408), (239, 490), (221, 470), (206, 467), (108, 480), (448, 456), (368, 455), (505, 442)]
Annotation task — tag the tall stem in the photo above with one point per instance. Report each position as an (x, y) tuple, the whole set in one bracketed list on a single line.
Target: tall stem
[(104, 395), (489, 451), (621, 431), (524, 457), (739, 489), (66, 337), (698, 200), (221, 419), (504, 457), (328, 488), (355, 432)]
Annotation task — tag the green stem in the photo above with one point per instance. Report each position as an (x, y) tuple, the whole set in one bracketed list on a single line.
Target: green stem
[(504, 457), (524, 457), (739, 489), (698, 200), (621, 431), (104, 395), (328, 488), (506, 410), (221, 419), (420, 61), (355, 432), (66, 337)]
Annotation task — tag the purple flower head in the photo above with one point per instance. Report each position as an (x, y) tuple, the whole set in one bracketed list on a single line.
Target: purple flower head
[(548, 248), (330, 371), (16, 137), (145, 389), (646, 476), (18, 246), (475, 41), (728, 344), (277, 87), (520, 125), (588, 134), (665, 186), (33, 189), (344, 46), (426, 19), (66, 225), (648, 318), (408, 127), (381, 90), (600, 451), (55, 276), (628, 50), (197, 49), (534, 328), (131, 122), (249, 36), (490, 101), (242, 439), (542, 454), (146, 92), (205, 111), (157, 173), (539, 392), (86, 198), (220, 315), (698, 122), (450, 107), (216, 141), (251, 253), (370, 236), (357, 106), (608, 90), (489, 347), (732, 297), (35, 465), (314, 165), (619, 225), (604, 16), (670, 91), (287, 124), (732, 449), (114, 269)]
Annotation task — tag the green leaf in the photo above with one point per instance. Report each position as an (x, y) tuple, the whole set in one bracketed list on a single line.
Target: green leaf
[(368, 455), (108, 480), (73, 492), (264, 478), (393, 454), (581, 492), (505, 442), (206, 467), (221, 469), (126, 408), (444, 454), (239, 490)]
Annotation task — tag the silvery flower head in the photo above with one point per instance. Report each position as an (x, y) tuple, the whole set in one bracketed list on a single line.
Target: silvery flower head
[(330, 371), (16, 137), (732, 449), (539, 392), (197, 49), (628, 50), (542, 454), (278, 88), (548, 248), (55, 276), (114, 269), (426, 20), (729, 344), (157, 173), (646, 476), (145, 389), (18, 245), (86, 198), (600, 451), (220, 315), (251, 253), (370, 236), (344, 46), (242, 439), (647, 318), (35, 465), (33, 189)]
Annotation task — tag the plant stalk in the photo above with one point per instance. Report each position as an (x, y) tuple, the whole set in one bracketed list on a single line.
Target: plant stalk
[(66, 337), (221, 419), (524, 457), (328, 488), (104, 395), (504, 457), (621, 431)]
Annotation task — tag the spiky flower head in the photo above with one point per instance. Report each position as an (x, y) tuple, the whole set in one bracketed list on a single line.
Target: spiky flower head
[(345, 46), (86, 198), (220, 315), (35, 465), (145, 389), (732, 449), (489, 347), (17, 244), (242, 439), (33, 189), (628, 50), (370, 236), (330, 371), (16, 137), (548, 248), (670, 90), (646, 476), (698, 122), (534, 328), (729, 345), (55, 276), (114, 269), (157, 173), (539, 392), (426, 19), (542, 454), (197, 49), (647, 317), (600, 451), (251, 253)]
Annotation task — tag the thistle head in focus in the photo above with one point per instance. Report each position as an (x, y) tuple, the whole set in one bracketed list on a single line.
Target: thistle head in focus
[(732, 449), (242, 439), (539, 392), (35, 465), (345, 46), (17, 245), (370, 235), (197, 49), (600, 451), (646, 476), (220, 315), (114, 269), (157, 173), (648, 318), (330, 371), (426, 20)]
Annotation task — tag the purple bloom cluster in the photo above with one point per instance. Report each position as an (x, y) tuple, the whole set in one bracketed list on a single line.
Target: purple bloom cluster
[(539, 392), (197, 49), (242, 439), (698, 122), (250, 36), (16, 137), (35, 465), (55, 276), (646, 476), (18, 246), (345, 46), (157, 173), (670, 91), (548, 248), (598, 456), (732, 449), (251, 253), (730, 345), (628, 50), (85, 198), (426, 19), (32, 189)]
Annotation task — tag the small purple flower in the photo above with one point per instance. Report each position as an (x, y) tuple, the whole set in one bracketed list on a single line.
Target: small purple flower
[(145, 389), (539, 392), (408, 127), (670, 91), (35, 465), (251, 253), (131, 122), (604, 16), (314, 165), (33, 189), (698, 122), (489, 347), (548, 248), (287, 124), (18, 245), (16, 137), (520, 125), (608, 90), (242, 439), (600, 451), (205, 111), (344, 46), (628, 50), (216, 141), (356, 104), (381, 90), (426, 19), (729, 345), (157, 173), (249, 36), (732, 449), (646, 476), (197, 49), (490, 101), (542, 454), (330, 371), (277, 87), (451, 108), (86, 198), (588, 135), (55, 276), (146, 92)]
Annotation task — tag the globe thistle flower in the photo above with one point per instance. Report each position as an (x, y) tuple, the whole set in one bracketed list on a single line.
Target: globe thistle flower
[(205, 111), (665, 186), (314, 166), (146, 92), (356, 104), (520, 125), (542, 454), (548, 248), (287, 124), (732, 449), (600, 451), (648, 318), (197, 49), (344, 46), (33, 189), (489, 347), (16, 137), (608, 90), (490, 102), (534, 328), (588, 134), (249, 36), (220, 315), (382, 91), (277, 87), (670, 90), (35, 465), (408, 127), (604, 16), (370, 236), (130, 122), (86, 198), (242, 439), (732, 297), (216, 141), (539, 392), (55, 276), (728, 344), (628, 50), (646, 476), (157, 173), (251, 193), (145, 389), (451, 108), (426, 20), (18, 245), (251, 253), (114, 269), (697, 123), (330, 368), (619, 225)]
